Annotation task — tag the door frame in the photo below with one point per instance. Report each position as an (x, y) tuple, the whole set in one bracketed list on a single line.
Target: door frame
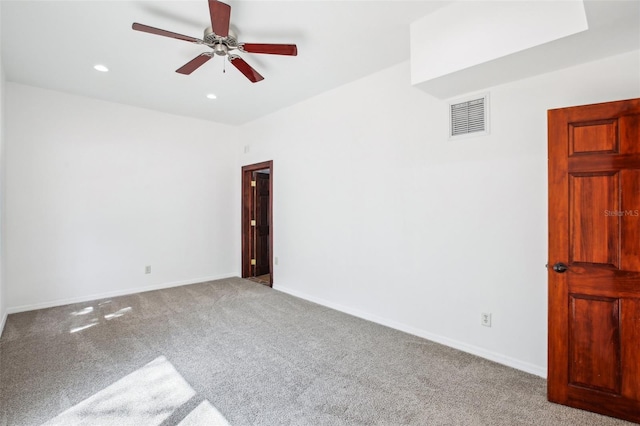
[(248, 202)]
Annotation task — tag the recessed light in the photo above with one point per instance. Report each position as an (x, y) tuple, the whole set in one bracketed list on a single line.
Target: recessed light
[(101, 68), (211, 96)]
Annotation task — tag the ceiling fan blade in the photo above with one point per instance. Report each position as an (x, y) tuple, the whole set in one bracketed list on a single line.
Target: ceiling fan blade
[(193, 64), (272, 49), (220, 16), (158, 31), (245, 69)]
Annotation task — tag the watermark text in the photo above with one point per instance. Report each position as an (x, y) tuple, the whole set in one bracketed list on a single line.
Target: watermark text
[(620, 213)]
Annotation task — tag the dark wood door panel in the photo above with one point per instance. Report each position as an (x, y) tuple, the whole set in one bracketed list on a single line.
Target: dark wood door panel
[(629, 214), (629, 134), (600, 136), (594, 343), (594, 235), (630, 332), (261, 215)]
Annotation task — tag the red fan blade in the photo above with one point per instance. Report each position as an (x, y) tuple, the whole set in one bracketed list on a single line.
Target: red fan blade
[(246, 69), (152, 30), (272, 49), (220, 16), (193, 64)]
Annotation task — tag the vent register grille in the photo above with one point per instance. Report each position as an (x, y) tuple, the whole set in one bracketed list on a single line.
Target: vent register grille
[(468, 117)]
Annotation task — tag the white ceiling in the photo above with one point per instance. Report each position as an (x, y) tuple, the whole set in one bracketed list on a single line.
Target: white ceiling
[(55, 44), (613, 28)]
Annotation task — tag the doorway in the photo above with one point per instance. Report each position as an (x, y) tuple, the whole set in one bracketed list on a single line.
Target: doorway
[(257, 219), (594, 258)]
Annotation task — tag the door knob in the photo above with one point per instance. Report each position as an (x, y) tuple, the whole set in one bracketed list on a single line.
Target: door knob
[(560, 267)]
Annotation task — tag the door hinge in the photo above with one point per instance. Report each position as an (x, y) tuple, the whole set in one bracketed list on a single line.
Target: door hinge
[(253, 183), (253, 223), (253, 261)]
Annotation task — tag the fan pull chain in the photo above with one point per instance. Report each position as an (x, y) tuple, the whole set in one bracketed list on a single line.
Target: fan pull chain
[(224, 67)]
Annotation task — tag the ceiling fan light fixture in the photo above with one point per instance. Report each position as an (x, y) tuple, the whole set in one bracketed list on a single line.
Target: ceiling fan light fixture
[(220, 49), (211, 96), (101, 68)]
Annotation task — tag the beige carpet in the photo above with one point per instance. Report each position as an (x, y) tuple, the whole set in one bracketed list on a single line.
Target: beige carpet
[(239, 353)]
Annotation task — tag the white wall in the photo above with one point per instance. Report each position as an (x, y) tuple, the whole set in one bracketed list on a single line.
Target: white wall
[(3, 311), (95, 191), (378, 214)]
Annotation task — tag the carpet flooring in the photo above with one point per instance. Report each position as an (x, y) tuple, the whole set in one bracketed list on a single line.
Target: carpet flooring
[(234, 352)]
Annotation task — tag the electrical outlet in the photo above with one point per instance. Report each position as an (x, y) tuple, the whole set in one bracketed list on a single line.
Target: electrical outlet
[(147, 269), (485, 319), (275, 260)]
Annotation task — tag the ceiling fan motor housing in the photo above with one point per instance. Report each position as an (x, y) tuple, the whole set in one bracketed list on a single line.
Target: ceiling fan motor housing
[(220, 45)]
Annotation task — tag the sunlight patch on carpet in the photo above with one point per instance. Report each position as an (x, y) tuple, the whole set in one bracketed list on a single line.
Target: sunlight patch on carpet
[(145, 397), (204, 414)]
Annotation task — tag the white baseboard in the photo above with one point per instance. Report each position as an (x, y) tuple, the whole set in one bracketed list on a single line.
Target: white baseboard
[(90, 297), (474, 350), (3, 321)]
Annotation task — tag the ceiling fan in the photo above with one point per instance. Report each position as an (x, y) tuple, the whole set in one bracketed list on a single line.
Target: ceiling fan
[(223, 41)]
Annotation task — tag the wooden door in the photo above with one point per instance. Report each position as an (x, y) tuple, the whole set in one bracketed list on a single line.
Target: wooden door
[(594, 258), (254, 240), (262, 224)]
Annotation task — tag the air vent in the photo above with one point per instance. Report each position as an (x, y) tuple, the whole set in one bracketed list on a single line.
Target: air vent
[(469, 117)]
